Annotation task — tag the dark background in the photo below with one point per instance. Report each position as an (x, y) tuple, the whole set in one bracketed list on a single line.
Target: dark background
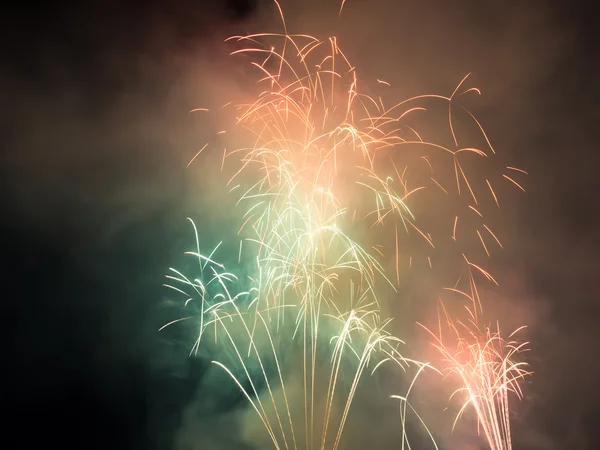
[(85, 243)]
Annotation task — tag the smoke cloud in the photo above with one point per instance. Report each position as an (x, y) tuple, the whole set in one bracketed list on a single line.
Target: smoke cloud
[(98, 132)]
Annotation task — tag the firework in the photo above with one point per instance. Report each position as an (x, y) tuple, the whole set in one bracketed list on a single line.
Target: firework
[(329, 177), (488, 372), (258, 348)]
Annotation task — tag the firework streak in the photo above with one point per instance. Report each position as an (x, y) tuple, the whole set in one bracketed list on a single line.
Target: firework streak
[(483, 362), (329, 177)]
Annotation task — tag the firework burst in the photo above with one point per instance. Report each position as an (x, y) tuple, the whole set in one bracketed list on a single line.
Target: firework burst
[(328, 178), (487, 370), (335, 349)]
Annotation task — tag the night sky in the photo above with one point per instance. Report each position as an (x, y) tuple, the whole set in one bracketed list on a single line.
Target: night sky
[(97, 132)]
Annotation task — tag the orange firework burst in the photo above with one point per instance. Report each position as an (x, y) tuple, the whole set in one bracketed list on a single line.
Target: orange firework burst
[(488, 372), (330, 156)]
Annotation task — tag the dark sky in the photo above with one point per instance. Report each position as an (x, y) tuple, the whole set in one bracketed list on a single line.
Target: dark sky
[(96, 135)]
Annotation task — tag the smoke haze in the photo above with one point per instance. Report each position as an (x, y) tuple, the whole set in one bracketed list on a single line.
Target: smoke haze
[(97, 132)]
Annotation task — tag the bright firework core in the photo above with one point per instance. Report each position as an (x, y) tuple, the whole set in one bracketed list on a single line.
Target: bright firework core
[(326, 179)]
